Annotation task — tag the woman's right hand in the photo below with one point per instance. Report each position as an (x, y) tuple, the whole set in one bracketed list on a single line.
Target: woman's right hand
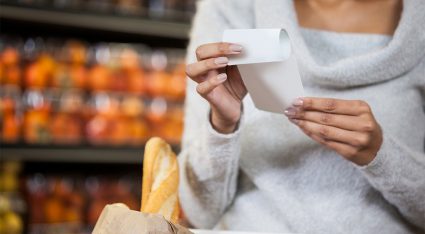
[(221, 85)]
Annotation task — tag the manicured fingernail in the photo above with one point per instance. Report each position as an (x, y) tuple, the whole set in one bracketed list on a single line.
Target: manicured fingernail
[(221, 61), (222, 77), (298, 102), (290, 112), (294, 121), (235, 48)]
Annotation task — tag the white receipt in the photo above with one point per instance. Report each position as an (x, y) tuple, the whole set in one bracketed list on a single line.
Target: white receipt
[(268, 68)]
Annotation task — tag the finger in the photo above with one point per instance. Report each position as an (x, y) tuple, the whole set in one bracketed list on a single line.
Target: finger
[(330, 105), (203, 66), (343, 149), (347, 122), (202, 78), (204, 88), (356, 139), (217, 50), (347, 151)]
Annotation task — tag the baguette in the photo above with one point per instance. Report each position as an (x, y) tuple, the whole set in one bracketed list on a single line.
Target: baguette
[(160, 180)]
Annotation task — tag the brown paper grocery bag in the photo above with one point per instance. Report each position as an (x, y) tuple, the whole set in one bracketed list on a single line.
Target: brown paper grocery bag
[(119, 219)]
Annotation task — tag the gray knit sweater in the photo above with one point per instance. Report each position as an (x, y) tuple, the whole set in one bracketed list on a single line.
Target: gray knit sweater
[(269, 176)]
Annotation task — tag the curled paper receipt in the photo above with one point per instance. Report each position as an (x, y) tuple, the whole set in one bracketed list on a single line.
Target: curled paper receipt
[(268, 68)]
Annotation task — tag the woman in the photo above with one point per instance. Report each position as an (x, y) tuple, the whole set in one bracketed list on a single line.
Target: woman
[(351, 161)]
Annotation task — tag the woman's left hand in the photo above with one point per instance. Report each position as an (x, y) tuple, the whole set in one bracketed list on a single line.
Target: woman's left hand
[(345, 126)]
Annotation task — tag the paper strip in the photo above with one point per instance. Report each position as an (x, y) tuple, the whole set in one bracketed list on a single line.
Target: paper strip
[(268, 68)]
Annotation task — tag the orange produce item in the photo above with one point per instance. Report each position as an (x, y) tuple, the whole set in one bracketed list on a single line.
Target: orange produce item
[(2, 68), (10, 56), (95, 209), (99, 78), (112, 109), (35, 76), (11, 128), (11, 75), (36, 126), (119, 81), (137, 82), (120, 131), (65, 129), (72, 102), (54, 210), (72, 214), (78, 76), (176, 87), (140, 132), (76, 52), (132, 106), (62, 78), (158, 82), (157, 111), (7, 106), (172, 129), (129, 60), (98, 130), (47, 65)]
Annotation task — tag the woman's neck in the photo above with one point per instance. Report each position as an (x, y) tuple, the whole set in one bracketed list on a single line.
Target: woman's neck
[(358, 16)]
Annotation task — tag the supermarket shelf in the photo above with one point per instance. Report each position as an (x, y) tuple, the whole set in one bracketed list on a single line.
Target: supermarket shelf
[(85, 154), (121, 24)]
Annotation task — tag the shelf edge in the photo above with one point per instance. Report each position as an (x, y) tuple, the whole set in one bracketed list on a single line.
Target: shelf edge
[(139, 26)]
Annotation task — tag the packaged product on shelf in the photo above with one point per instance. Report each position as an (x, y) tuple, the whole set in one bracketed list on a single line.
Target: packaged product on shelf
[(10, 72), (172, 130), (9, 113), (105, 110), (12, 205), (131, 7), (159, 77), (133, 71), (177, 84), (133, 109), (70, 76), (36, 117), (74, 92), (99, 78), (55, 203), (75, 52), (73, 202), (66, 122), (39, 73), (181, 9), (111, 191)]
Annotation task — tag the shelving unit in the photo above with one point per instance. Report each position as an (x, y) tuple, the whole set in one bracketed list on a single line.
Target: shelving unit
[(74, 154), (79, 179), (89, 26), (94, 175), (87, 154)]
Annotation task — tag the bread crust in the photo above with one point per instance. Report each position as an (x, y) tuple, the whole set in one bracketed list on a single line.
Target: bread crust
[(160, 180)]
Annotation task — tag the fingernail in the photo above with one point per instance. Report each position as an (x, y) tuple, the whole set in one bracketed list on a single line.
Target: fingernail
[(298, 102), (289, 112), (221, 61), (235, 48), (294, 121), (222, 77)]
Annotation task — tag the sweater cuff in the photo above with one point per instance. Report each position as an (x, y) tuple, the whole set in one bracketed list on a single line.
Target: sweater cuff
[(218, 153), (222, 145), (384, 170), (215, 136)]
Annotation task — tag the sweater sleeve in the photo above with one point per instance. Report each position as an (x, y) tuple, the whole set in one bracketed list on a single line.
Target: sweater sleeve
[(399, 174), (208, 160)]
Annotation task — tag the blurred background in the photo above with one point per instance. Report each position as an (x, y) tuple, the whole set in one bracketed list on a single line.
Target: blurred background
[(83, 85)]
